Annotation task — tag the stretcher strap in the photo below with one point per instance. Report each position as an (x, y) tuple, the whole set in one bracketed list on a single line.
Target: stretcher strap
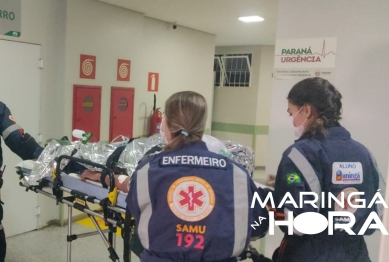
[(104, 203), (57, 192)]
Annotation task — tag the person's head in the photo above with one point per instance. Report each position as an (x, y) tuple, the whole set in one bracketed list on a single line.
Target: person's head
[(314, 104), (185, 118)]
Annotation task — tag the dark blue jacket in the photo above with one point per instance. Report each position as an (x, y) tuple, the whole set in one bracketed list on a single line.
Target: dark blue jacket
[(334, 163), (193, 205), (19, 142)]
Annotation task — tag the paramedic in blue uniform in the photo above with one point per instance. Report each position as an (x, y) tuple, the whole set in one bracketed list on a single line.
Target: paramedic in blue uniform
[(21, 144), (321, 160), (191, 204)]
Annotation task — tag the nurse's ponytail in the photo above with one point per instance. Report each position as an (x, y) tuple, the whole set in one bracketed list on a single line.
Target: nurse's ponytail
[(324, 99), (185, 117)]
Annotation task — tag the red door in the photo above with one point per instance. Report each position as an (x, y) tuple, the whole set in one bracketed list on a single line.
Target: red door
[(87, 110), (122, 112)]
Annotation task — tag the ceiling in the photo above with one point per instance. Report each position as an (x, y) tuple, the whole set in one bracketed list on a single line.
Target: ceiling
[(219, 17)]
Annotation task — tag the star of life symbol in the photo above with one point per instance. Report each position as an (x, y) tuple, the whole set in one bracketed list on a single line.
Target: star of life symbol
[(191, 198)]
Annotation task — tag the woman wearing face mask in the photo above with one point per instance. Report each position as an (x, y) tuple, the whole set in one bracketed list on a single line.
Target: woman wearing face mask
[(324, 159)]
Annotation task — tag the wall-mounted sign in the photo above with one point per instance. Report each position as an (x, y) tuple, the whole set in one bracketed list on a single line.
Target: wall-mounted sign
[(303, 58), (10, 17), (153, 82), (123, 73), (87, 66)]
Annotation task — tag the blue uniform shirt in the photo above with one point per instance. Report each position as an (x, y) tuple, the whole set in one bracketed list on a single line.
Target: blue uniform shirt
[(335, 163), (193, 205)]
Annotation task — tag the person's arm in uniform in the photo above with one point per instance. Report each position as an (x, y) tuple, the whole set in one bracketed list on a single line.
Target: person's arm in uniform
[(19, 142), (290, 180)]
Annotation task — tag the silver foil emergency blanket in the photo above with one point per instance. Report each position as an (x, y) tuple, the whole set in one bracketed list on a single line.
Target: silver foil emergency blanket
[(242, 155), (45, 164), (136, 150), (129, 159), (95, 152)]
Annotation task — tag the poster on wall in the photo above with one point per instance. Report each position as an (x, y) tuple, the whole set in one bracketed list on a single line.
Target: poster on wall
[(10, 17), (153, 82), (303, 58), (123, 70), (87, 66)]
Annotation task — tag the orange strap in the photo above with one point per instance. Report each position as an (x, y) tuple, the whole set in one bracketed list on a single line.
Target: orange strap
[(278, 215)]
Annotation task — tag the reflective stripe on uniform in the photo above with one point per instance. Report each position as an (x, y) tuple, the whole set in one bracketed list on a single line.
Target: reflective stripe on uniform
[(307, 171), (381, 185), (9, 130), (144, 203), (241, 210)]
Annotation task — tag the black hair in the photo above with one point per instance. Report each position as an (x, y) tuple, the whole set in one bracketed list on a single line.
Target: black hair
[(324, 99)]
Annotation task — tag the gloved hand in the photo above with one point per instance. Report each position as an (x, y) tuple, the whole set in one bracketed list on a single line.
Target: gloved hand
[(271, 180)]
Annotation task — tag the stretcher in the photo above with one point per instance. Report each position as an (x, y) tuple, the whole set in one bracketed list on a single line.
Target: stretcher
[(80, 194), (112, 202)]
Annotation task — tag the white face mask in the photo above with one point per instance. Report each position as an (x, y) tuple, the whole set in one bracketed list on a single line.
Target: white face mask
[(298, 130), (163, 134)]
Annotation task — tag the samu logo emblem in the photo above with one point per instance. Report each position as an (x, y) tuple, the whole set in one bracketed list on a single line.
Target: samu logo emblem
[(191, 198)]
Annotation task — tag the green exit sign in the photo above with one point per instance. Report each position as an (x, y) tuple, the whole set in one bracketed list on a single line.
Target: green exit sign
[(10, 17)]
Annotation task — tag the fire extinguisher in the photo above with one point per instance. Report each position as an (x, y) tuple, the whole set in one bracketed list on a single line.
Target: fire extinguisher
[(156, 119)]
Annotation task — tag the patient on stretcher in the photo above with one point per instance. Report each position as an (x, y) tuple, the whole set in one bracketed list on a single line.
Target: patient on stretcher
[(95, 180), (122, 180)]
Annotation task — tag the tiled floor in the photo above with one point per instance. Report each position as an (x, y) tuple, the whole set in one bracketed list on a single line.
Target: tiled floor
[(50, 245)]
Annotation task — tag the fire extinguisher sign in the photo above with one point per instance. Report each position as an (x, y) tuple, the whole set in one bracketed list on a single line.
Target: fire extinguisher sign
[(153, 82)]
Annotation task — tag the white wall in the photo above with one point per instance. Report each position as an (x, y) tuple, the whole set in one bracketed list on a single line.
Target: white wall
[(183, 57), (109, 33), (246, 108), (360, 75), (237, 104), (67, 28), (264, 104), (43, 23)]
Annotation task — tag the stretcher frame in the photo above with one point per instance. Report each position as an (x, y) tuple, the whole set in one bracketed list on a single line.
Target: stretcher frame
[(78, 200), (112, 213)]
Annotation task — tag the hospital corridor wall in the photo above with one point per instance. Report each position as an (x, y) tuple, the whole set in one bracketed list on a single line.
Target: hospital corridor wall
[(183, 58), (243, 113), (43, 24), (65, 29), (360, 75), (19, 74)]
